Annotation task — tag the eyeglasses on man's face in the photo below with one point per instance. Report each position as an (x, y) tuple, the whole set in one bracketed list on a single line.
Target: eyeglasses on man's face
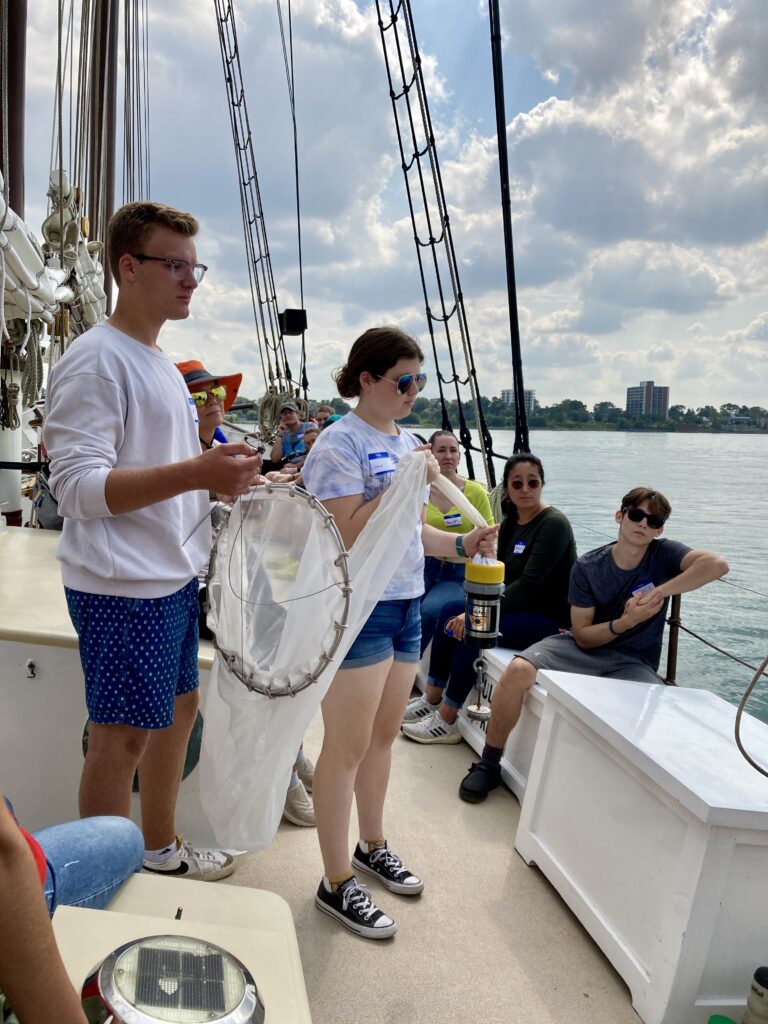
[(219, 393), (405, 382), (637, 515), (178, 268)]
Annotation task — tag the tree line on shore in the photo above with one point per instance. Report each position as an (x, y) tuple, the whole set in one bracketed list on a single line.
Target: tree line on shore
[(570, 414)]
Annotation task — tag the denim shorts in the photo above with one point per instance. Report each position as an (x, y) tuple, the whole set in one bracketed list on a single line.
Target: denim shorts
[(138, 654), (392, 629)]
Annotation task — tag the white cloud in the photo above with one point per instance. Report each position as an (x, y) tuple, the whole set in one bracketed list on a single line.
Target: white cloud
[(638, 189)]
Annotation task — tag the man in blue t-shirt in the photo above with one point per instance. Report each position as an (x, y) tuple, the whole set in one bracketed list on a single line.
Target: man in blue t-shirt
[(618, 595), (289, 443)]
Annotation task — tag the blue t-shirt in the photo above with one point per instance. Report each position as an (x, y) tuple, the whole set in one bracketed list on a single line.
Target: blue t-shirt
[(293, 444), (597, 582), (355, 458)]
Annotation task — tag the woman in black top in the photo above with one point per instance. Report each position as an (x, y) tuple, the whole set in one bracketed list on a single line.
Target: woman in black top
[(537, 547)]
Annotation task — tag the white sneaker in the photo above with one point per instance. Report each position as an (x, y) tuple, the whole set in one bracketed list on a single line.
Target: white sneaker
[(418, 708), (431, 729), (188, 862), (298, 807), (306, 773)]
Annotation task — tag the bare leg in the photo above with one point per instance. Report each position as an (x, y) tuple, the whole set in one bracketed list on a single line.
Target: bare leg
[(114, 751), (349, 711), (519, 676), (434, 694), (448, 713), (373, 773), (160, 771)]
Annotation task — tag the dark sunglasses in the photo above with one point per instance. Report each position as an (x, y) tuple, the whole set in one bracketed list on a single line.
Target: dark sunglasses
[(517, 485), (636, 515), (403, 384)]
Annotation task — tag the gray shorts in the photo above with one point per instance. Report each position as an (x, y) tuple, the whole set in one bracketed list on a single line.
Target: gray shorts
[(561, 653)]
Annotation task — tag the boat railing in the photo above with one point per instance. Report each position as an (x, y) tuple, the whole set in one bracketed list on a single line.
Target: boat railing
[(675, 626)]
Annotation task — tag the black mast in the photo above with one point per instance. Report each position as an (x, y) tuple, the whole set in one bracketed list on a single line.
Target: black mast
[(521, 422), (12, 108), (101, 156)]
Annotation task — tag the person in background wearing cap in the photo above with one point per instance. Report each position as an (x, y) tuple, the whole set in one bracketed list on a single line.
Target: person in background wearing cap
[(132, 485), (289, 443), (213, 396)]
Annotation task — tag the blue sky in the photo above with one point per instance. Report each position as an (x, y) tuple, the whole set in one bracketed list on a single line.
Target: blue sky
[(637, 138)]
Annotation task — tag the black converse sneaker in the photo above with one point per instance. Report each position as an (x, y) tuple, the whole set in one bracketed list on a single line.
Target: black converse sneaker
[(389, 869), (352, 905)]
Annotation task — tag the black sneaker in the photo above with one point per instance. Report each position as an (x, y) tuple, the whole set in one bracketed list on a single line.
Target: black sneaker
[(387, 866), (479, 781), (352, 905)]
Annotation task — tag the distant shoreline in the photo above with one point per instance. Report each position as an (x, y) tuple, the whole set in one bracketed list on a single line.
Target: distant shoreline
[(600, 428)]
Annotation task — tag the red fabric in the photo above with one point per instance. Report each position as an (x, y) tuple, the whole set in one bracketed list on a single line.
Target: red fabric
[(37, 853)]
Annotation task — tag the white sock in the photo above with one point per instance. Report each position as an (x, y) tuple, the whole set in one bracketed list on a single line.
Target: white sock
[(160, 856)]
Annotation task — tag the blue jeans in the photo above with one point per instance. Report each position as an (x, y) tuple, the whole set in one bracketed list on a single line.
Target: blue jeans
[(443, 584), (451, 660), (88, 860)]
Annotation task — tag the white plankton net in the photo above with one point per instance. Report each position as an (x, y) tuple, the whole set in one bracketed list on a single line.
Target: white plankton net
[(286, 603)]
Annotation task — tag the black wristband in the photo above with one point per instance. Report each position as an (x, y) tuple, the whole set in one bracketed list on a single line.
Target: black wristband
[(612, 630)]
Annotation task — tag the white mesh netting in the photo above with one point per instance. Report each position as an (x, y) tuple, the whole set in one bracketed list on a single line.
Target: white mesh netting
[(278, 600)]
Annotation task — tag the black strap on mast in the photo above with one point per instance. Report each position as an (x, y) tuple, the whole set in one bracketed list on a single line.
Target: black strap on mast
[(521, 421), (438, 267)]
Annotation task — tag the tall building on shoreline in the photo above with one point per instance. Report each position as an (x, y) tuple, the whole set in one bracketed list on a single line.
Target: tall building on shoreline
[(508, 398), (648, 400)]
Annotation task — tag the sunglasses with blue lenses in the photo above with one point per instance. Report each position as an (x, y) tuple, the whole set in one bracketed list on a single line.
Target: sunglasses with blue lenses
[(404, 383)]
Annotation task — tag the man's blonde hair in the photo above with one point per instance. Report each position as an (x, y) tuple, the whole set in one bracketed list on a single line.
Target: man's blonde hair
[(130, 226)]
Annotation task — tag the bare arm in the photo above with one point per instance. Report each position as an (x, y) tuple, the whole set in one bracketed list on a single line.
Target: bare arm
[(276, 455), (587, 634), (32, 974), (351, 514), (443, 545), (126, 490), (698, 569)]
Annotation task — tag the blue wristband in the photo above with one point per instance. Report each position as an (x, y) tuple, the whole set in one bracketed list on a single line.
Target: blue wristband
[(460, 546)]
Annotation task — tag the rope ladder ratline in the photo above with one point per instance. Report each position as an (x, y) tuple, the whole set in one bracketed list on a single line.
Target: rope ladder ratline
[(272, 351), (431, 224)]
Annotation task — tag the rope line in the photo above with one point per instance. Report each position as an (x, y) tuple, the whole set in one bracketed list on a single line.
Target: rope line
[(274, 360), (740, 711), (430, 223)]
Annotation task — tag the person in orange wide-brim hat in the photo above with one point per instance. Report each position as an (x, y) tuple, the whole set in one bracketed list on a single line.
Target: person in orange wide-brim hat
[(194, 373)]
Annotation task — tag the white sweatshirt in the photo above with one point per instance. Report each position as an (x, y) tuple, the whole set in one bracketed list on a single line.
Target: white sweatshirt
[(113, 402)]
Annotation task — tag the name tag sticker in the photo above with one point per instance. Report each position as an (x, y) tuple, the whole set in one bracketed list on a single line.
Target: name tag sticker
[(642, 588), (193, 407), (452, 519), (519, 547), (380, 463)]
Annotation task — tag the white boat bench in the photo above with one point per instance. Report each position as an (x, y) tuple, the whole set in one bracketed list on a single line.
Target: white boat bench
[(644, 816)]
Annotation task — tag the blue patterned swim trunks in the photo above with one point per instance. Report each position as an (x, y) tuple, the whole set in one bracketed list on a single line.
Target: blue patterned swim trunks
[(138, 654)]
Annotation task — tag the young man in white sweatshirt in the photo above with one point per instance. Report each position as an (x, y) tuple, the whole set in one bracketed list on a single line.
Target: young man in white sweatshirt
[(132, 485)]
